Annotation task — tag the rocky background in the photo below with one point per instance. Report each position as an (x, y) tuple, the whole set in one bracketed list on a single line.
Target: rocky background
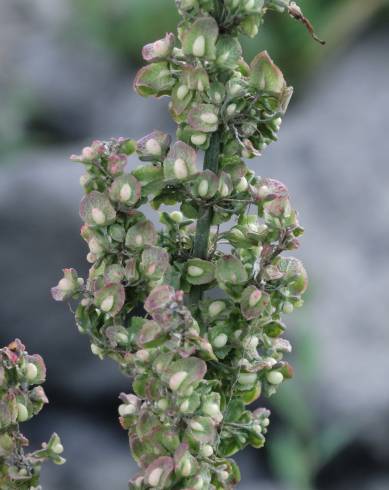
[(60, 86)]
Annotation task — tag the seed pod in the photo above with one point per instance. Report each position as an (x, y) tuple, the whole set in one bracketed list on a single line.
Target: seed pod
[(96, 209), (265, 75), (153, 147), (160, 49), (200, 271), (154, 80), (228, 51), (141, 235), (204, 118), (110, 299), (200, 38), (180, 162), (126, 190)]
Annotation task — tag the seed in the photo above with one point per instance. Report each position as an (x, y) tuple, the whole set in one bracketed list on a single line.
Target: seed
[(107, 303), (235, 88), (224, 191), (263, 191), (65, 284), (94, 246), (195, 271), (223, 475), (186, 468), (182, 92), (22, 412), (163, 404), (196, 426), (231, 109), (155, 477), (216, 307), (180, 169), (98, 216), (31, 371), (275, 377), (223, 57), (242, 185), (184, 406), (125, 410), (247, 378), (255, 298), (249, 4), (153, 147), (207, 451), (220, 341), (217, 96), (125, 193), (177, 379), (161, 48), (198, 48), (198, 139), (209, 118), (200, 86), (203, 188)]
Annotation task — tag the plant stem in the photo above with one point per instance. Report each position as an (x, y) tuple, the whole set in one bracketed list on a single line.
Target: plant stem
[(201, 242)]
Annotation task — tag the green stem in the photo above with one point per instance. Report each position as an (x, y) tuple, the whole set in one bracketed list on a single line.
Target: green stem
[(201, 242)]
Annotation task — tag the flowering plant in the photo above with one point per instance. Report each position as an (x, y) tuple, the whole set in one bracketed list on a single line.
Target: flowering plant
[(21, 398), (208, 342)]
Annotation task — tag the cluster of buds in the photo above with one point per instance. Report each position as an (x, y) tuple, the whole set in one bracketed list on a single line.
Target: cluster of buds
[(197, 357), (21, 398)]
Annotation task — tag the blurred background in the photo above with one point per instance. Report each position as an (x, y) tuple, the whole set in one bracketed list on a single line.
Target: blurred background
[(66, 68)]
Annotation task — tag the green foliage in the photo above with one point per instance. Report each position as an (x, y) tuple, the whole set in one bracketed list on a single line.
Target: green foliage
[(21, 398), (196, 362)]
